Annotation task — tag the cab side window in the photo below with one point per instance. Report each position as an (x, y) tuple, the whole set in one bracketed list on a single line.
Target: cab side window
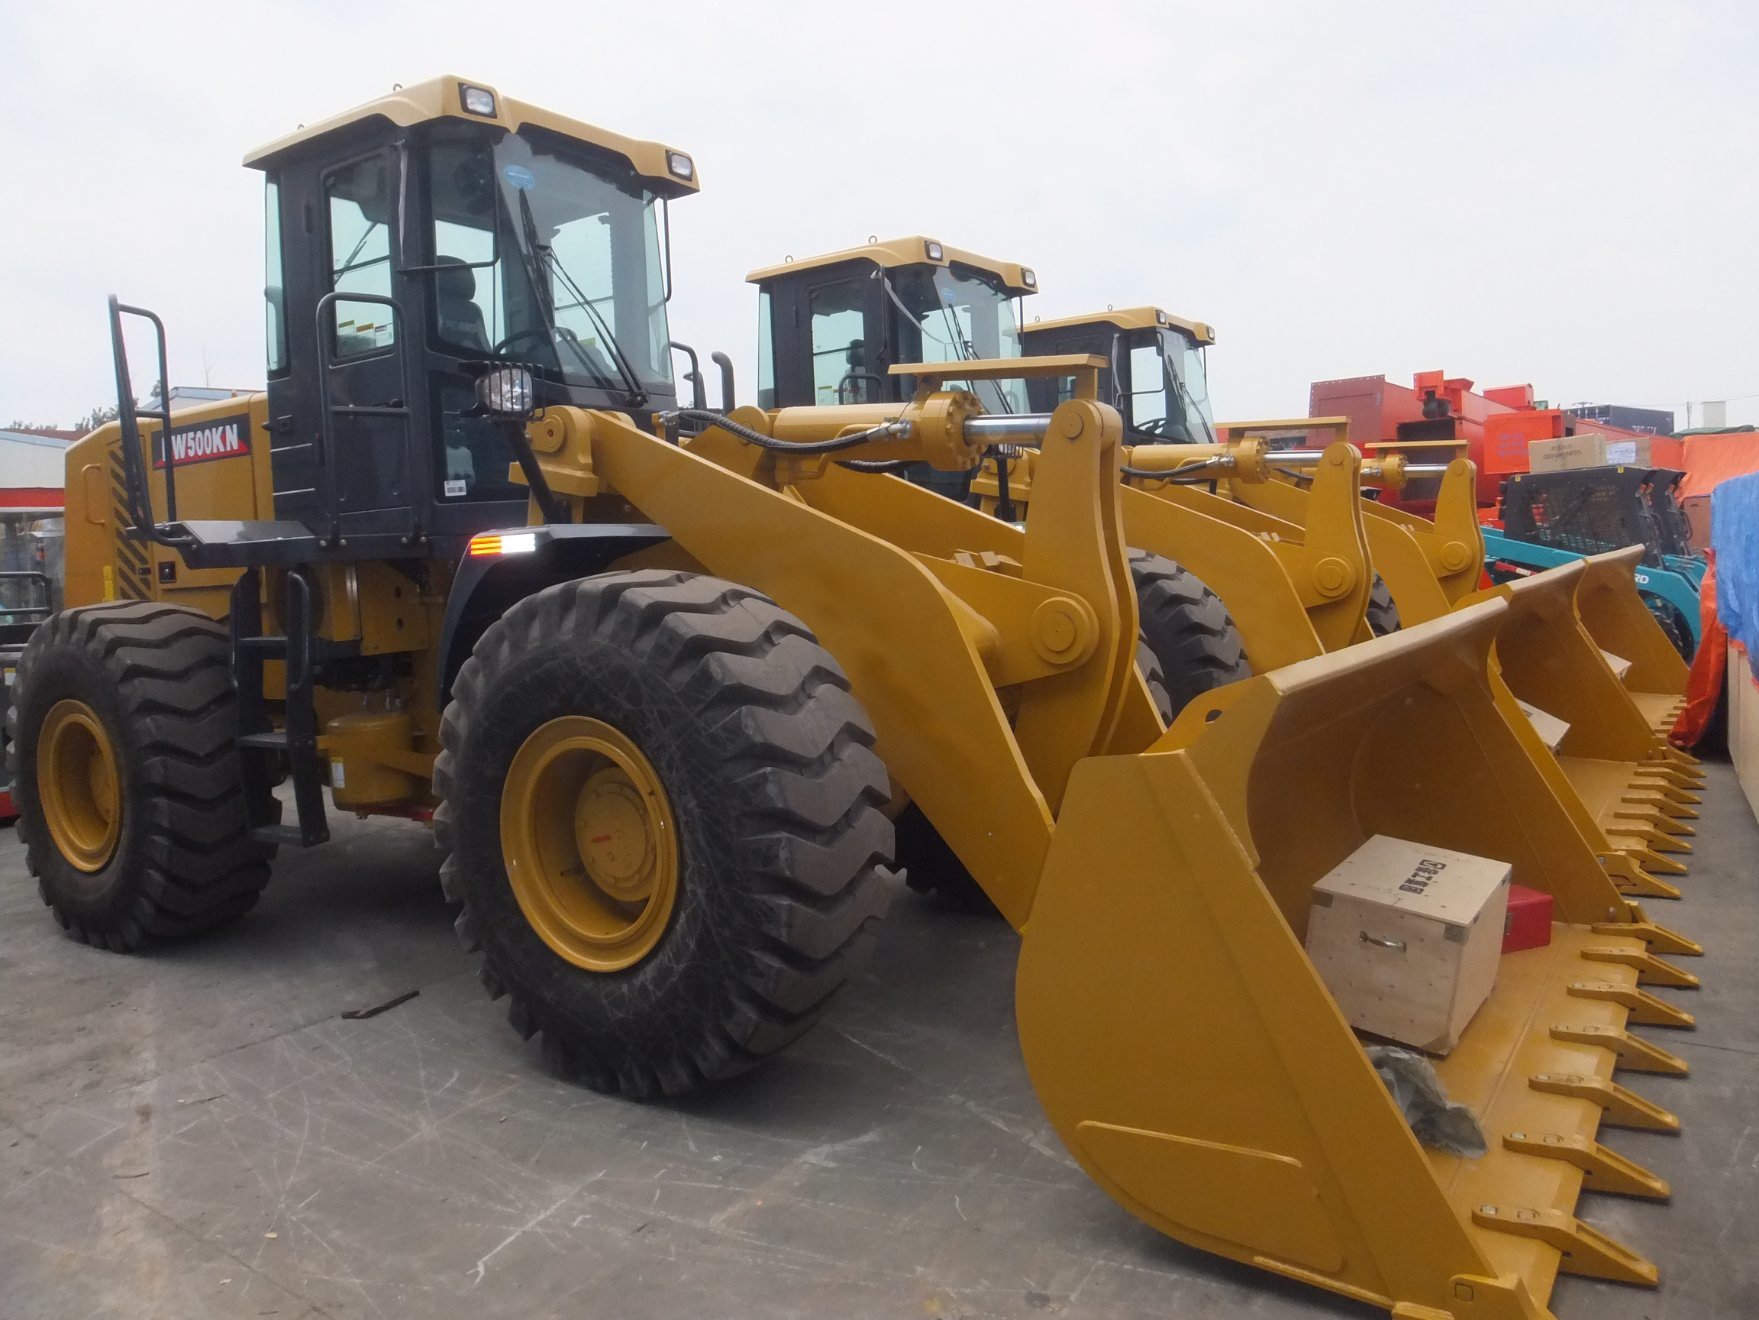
[(274, 285), (842, 371), (766, 352), (358, 206)]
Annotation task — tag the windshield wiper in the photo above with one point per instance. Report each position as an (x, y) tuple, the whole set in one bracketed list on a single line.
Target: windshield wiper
[(963, 349), (528, 227), (1191, 407)]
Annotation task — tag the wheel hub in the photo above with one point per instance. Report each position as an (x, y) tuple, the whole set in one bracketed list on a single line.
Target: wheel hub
[(78, 785), (589, 843)]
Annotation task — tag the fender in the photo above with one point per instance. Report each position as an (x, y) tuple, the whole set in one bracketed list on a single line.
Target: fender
[(489, 581)]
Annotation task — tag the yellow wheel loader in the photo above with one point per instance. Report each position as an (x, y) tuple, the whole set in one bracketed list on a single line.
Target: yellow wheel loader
[(655, 688)]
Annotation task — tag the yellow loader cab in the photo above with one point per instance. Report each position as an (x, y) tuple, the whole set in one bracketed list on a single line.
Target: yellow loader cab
[(657, 710), (1156, 369), (832, 327)]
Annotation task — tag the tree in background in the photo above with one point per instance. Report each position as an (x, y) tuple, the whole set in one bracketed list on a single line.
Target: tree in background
[(95, 418), (90, 422)]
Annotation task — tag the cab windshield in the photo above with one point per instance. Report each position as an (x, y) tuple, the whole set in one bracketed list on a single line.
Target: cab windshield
[(1169, 393), (1185, 360), (958, 314), (546, 256)]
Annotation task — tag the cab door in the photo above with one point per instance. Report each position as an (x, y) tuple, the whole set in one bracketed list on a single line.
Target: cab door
[(339, 421), (829, 347), (363, 382)]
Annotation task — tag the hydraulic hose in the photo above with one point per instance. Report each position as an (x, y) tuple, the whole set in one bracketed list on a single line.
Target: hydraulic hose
[(884, 431)]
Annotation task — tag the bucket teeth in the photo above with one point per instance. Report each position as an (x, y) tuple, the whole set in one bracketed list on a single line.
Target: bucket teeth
[(1659, 938), (1649, 833), (1650, 969), (1621, 1107), (1584, 1250), (1646, 857), (1637, 882), (1643, 1008), (1633, 1052), (1670, 777), (1602, 1170), (1659, 817), (1672, 805)]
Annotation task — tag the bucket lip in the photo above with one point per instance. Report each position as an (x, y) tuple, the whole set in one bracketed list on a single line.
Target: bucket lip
[(1624, 557), (1524, 592), (1473, 625)]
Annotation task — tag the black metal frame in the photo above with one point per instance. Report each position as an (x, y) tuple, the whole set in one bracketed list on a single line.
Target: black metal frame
[(1672, 526), (1582, 510)]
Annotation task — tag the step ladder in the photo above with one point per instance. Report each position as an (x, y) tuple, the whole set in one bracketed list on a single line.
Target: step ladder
[(268, 753)]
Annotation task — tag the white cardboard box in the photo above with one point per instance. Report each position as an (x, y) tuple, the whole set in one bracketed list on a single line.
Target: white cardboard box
[(1550, 728), (1406, 937)]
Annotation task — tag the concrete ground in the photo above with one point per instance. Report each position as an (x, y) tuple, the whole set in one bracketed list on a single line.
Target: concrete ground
[(200, 1133)]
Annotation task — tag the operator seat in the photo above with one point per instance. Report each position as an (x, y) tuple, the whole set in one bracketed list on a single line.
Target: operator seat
[(856, 383), (461, 320)]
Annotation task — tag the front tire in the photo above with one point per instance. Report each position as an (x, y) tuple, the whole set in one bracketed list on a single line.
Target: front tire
[(1188, 628), (131, 799), (1382, 613), (662, 816)]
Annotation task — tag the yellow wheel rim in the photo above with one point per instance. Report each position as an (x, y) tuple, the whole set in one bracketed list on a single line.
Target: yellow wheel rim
[(78, 785), (589, 843)]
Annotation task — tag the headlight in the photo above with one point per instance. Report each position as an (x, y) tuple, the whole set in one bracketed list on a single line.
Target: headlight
[(681, 165), (477, 100), (933, 248), (485, 544), (505, 391), (1028, 277)]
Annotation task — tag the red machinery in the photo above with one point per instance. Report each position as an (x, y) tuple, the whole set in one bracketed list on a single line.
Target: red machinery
[(1439, 416)]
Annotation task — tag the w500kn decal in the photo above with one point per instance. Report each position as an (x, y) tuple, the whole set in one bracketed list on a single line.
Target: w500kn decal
[(200, 442)]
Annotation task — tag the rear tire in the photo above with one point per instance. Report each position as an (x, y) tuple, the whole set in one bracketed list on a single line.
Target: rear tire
[(1670, 622), (765, 764), (1188, 628), (1383, 614), (143, 835)]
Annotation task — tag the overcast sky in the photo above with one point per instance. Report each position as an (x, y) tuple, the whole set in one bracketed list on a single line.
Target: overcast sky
[(1562, 193)]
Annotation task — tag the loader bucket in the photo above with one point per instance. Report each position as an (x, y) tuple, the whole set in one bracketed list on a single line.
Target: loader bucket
[(1615, 616), (1551, 663), (1200, 1071)]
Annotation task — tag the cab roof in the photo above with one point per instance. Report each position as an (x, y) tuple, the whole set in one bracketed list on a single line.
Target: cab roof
[(1130, 318), (915, 250), (671, 173)]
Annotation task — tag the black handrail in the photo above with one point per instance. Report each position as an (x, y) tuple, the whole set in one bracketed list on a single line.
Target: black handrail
[(698, 392), (128, 416)]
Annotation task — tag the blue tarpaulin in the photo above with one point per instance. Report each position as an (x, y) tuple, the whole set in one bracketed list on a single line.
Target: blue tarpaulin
[(1734, 535)]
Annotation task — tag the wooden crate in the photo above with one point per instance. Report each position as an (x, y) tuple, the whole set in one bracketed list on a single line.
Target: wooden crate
[(1406, 937)]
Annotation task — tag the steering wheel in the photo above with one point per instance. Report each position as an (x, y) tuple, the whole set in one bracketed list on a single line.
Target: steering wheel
[(520, 336), (1153, 426)]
